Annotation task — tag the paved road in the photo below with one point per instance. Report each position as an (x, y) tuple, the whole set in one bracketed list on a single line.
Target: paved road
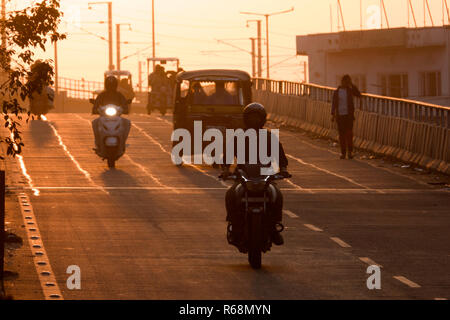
[(151, 230)]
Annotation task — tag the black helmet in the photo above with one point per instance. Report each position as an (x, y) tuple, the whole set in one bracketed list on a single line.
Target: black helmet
[(111, 83), (255, 109)]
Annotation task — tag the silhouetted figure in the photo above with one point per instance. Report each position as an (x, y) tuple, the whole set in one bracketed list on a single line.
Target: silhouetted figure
[(343, 111)]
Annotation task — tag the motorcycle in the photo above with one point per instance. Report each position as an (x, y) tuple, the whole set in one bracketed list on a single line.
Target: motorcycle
[(257, 222), (112, 132)]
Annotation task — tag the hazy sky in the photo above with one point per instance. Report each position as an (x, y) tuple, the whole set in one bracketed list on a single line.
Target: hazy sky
[(189, 29)]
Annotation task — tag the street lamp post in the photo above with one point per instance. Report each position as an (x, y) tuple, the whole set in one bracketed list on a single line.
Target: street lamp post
[(267, 15), (110, 31)]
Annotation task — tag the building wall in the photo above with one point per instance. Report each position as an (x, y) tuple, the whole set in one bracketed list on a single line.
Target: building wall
[(371, 54)]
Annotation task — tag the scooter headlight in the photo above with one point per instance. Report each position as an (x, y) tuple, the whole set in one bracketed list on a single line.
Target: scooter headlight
[(111, 112)]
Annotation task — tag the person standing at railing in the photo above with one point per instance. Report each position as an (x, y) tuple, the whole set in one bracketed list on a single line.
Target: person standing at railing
[(343, 111)]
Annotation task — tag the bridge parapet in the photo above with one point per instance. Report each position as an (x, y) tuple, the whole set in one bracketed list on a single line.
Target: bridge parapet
[(394, 107), (411, 131)]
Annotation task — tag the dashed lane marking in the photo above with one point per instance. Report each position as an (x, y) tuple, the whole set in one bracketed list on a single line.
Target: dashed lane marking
[(333, 173), (406, 281), (340, 242), (164, 150), (287, 180), (313, 228), (290, 214), (69, 154), (370, 262), (44, 270)]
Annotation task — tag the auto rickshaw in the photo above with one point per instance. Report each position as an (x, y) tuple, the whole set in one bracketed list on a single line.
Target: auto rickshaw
[(215, 97), (125, 82)]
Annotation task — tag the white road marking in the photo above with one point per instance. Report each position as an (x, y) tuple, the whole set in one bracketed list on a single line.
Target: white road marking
[(69, 154), (287, 180), (290, 214), (440, 299), (313, 228), (332, 173), (164, 150), (362, 161), (370, 262), (406, 281), (41, 262), (141, 167), (340, 242)]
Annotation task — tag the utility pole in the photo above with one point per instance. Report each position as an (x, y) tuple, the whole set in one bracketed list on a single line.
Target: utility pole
[(153, 33), (110, 31), (259, 40), (118, 41), (56, 69), (253, 58), (267, 15), (140, 76)]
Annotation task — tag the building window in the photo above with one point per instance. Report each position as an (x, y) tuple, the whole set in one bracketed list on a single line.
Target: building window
[(394, 85), (430, 84)]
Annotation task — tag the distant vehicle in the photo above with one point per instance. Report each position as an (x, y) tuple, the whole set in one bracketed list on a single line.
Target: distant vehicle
[(160, 97), (215, 97), (125, 82)]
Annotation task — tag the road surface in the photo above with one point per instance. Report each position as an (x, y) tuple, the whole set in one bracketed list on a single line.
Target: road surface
[(151, 230)]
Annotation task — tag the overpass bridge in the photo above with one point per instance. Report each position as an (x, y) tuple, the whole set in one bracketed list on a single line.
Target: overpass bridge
[(152, 230), (411, 131)]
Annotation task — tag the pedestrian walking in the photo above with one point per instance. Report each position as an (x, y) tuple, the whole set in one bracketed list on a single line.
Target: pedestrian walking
[(343, 111)]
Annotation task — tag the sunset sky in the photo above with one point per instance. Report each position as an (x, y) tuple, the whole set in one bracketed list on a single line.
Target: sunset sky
[(190, 30)]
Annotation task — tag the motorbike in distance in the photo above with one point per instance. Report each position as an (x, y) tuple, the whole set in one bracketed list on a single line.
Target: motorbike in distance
[(257, 221), (112, 130)]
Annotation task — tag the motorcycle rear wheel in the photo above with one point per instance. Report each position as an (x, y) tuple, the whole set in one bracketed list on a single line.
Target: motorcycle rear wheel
[(111, 163), (255, 237)]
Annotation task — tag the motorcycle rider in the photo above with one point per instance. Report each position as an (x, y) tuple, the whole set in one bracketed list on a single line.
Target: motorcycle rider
[(255, 117), (110, 96), (42, 97)]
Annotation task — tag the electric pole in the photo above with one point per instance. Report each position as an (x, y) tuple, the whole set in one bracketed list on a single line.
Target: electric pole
[(267, 15), (259, 40), (153, 33), (56, 69), (253, 58), (118, 41), (110, 31)]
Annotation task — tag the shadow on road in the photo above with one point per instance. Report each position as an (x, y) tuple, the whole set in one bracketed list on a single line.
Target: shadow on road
[(41, 133)]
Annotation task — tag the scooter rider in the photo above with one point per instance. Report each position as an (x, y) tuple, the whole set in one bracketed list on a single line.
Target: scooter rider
[(255, 117), (110, 96)]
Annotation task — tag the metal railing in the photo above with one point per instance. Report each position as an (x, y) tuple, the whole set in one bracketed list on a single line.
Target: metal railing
[(393, 107), (82, 89)]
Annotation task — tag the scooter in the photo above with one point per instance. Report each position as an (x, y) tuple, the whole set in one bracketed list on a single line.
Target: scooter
[(112, 132), (255, 195)]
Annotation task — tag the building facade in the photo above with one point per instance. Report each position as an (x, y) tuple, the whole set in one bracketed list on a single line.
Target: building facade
[(402, 62)]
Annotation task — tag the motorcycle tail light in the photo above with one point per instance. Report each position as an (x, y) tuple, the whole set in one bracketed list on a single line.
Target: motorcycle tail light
[(256, 186)]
